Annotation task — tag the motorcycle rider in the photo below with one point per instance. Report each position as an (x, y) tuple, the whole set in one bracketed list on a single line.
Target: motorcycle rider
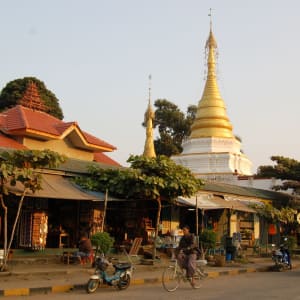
[(285, 251)]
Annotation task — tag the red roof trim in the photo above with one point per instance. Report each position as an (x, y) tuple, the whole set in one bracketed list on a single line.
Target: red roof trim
[(102, 158)]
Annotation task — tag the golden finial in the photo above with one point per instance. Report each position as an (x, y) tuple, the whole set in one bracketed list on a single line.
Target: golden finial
[(210, 17), (211, 42), (150, 77)]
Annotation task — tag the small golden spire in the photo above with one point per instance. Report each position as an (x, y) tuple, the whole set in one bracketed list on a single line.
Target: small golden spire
[(211, 118), (149, 150)]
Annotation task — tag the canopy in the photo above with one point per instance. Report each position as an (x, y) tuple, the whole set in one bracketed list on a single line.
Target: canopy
[(58, 187), (208, 202)]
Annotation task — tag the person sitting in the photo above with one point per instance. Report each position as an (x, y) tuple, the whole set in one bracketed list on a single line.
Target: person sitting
[(85, 249), (186, 253)]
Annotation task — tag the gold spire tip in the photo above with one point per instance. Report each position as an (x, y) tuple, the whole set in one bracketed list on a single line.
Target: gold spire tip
[(210, 17), (150, 77)]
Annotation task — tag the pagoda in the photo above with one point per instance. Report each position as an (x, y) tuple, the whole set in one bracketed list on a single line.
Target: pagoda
[(32, 99), (149, 150), (212, 151)]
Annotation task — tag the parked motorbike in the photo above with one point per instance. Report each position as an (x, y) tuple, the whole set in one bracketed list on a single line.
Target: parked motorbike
[(120, 279), (281, 258)]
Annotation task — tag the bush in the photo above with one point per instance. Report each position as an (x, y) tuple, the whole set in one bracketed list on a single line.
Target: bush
[(207, 240), (102, 241)]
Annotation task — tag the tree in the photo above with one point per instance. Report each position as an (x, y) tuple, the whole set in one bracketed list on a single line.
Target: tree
[(286, 169), (13, 92), (173, 126), (284, 216), (207, 240), (20, 167), (102, 241), (155, 179)]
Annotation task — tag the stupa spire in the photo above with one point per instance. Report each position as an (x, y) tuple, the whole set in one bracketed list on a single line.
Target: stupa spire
[(149, 150), (32, 99), (211, 118)]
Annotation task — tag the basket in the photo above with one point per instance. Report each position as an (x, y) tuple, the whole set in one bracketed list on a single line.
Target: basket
[(220, 260)]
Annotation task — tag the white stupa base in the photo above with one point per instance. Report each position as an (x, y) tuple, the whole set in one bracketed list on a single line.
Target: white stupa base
[(214, 158)]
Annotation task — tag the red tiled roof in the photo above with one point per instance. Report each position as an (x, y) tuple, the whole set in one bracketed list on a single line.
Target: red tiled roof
[(92, 139), (21, 120), (6, 142), (102, 158)]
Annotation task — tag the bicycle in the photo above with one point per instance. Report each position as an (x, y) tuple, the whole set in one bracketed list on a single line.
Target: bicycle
[(174, 274)]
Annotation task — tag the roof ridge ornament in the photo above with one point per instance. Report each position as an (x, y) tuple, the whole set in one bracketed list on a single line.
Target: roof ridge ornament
[(32, 99)]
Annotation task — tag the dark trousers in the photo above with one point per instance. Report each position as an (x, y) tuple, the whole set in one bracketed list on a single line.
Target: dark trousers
[(188, 262)]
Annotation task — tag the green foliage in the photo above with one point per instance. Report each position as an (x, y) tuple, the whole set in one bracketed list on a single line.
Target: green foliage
[(173, 126), (18, 166), (147, 178), (13, 92), (284, 215), (208, 239), (286, 169), (102, 241), (267, 212), (287, 215)]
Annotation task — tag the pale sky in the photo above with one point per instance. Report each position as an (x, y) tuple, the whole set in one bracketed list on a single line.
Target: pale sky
[(96, 56)]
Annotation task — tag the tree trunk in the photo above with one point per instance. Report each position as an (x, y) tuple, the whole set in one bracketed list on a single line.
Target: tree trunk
[(15, 223), (156, 227), (104, 211), (3, 267)]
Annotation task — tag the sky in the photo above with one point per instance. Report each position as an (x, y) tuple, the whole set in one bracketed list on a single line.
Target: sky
[(96, 57)]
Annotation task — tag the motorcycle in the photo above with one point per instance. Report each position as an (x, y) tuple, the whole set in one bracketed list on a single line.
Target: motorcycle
[(120, 279), (281, 258)]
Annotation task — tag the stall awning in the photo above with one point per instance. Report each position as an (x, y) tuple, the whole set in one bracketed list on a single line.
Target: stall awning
[(58, 187), (208, 202)]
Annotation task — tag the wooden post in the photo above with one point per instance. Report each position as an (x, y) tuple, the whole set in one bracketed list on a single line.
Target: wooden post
[(104, 212), (197, 224)]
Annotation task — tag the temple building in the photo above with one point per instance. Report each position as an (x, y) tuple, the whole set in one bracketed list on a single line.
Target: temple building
[(212, 151), (60, 206)]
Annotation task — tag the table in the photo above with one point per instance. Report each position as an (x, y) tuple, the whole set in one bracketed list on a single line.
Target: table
[(69, 257)]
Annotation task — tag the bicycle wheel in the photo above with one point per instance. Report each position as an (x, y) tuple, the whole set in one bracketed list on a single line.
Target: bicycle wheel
[(197, 277), (170, 279)]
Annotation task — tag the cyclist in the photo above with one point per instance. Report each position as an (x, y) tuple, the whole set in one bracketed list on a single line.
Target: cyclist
[(187, 253)]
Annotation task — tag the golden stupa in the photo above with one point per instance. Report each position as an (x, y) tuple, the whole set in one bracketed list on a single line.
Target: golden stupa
[(149, 150), (211, 118)]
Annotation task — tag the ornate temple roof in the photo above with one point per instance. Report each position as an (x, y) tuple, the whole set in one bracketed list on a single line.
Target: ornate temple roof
[(211, 118), (31, 98)]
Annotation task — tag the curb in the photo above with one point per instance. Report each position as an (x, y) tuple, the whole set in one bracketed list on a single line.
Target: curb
[(71, 287)]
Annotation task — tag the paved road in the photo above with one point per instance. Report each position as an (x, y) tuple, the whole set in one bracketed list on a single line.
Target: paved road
[(266, 285)]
